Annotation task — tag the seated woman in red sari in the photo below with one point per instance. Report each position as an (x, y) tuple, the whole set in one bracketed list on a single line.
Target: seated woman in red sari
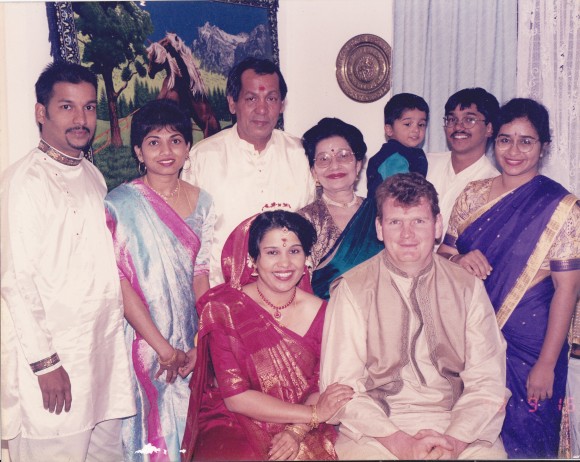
[(520, 233), (255, 387)]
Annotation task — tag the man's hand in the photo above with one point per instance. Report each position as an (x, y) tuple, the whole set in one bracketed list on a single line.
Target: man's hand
[(56, 390), (443, 452), (405, 446)]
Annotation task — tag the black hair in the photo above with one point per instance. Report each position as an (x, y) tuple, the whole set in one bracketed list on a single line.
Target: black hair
[(157, 114), (61, 71), (407, 189), (529, 109), (402, 102), (485, 102), (328, 127), (260, 67), (278, 219)]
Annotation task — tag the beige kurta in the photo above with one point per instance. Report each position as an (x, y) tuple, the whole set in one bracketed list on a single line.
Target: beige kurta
[(62, 295), (421, 353), (242, 181)]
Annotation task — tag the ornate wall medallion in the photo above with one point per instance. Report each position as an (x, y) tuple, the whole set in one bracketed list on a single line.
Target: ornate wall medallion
[(363, 68)]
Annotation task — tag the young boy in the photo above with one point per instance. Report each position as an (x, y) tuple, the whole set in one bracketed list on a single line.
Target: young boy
[(406, 118)]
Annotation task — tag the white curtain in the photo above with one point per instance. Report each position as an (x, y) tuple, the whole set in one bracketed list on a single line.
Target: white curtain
[(441, 46), (549, 72)]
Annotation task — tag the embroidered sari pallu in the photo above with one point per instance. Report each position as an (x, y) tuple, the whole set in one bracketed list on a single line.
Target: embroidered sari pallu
[(357, 243), (250, 351), (515, 233), (156, 251)]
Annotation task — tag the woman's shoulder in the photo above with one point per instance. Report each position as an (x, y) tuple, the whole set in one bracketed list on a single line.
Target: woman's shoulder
[(312, 210), (478, 186)]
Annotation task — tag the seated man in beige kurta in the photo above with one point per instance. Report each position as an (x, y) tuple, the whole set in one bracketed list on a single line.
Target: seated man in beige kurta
[(416, 337)]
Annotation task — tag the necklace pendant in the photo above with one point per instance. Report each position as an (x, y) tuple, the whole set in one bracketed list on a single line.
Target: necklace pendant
[(277, 314)]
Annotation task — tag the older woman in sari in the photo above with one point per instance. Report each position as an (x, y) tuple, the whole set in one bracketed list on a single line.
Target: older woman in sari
[(161, 230), (519, 232), (344, 222), (255, 385)]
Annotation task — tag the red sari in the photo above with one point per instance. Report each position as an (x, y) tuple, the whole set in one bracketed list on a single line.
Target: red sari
[(242, 347)]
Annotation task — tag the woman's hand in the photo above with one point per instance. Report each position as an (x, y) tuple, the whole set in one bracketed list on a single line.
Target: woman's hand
[(171, 366), (283, 447), (540, 382), (333, 398), (187, 368), (475, 263)]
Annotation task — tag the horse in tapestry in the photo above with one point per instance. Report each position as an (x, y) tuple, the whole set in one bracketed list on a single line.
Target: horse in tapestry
[(183, 82)]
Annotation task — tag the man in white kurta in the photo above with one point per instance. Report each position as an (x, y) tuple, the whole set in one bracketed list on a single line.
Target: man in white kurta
[(65, 371), (450, 171), (415, 336), (450, 184), (250, 167)]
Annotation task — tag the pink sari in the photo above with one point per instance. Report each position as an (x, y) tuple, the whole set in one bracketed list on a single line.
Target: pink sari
[(242, 347)]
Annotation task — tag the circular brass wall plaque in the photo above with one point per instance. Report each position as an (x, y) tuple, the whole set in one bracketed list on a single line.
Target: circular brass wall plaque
[(363, 68)]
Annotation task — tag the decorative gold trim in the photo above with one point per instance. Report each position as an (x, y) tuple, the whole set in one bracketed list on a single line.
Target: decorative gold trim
[(45, 363), (58, 156), (479, 212), (535, 261), (363, 68)]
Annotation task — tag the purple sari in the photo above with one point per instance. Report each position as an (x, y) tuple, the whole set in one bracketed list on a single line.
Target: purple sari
[(515, 234)]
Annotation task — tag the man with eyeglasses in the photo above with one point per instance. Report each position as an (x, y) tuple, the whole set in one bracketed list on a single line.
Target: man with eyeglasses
[(470, 115), (251, 164)]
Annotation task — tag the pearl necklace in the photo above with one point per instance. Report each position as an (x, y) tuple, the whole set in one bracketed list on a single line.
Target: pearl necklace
[(277, 309), (165, 197), (340, 204)]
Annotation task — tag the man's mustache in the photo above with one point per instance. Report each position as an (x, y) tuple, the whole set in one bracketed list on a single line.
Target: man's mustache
[(79, 127)]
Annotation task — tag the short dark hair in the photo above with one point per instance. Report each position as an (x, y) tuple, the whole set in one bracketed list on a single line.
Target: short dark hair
[(407, 189), (402, 102), (529, 109), (278, 219), (485, 102), (329, 127), (61, 71), (259, 66), (157, 114)]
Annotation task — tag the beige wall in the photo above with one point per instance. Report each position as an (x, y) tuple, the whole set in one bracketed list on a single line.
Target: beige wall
[(311, 33)]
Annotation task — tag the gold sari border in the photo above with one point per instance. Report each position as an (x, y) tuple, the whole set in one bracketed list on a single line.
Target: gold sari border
[(536, 258), (479, 212)]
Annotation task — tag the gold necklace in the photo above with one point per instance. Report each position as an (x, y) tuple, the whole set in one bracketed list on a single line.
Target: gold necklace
[(277, 309), (344, 205), (165, 197)]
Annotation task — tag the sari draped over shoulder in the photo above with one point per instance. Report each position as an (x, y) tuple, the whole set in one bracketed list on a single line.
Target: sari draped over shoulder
[(357, 243), (156, 252), (242, 347), (515, 232)]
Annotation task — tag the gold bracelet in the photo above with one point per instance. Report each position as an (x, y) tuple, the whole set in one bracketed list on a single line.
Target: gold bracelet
[(170, 361), (296, 432), (450, 258), (314, 419)]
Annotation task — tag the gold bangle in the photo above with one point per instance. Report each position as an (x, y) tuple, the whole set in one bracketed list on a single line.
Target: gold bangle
[(314, 419), (298, 433), (170, 361)]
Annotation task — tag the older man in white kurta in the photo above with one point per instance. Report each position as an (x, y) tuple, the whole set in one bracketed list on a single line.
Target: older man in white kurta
[(415, 336), (250, 167), (65, 369)]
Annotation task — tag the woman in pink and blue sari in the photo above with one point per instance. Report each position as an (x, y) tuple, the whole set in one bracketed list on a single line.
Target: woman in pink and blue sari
[(520, 233), (161, 230)]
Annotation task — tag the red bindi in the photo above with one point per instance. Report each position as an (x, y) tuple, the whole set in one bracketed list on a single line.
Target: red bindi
[(261, 88)]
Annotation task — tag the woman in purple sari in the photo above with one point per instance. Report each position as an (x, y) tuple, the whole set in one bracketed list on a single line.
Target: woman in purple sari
[(161, 230), (519, 232), (255, 385)]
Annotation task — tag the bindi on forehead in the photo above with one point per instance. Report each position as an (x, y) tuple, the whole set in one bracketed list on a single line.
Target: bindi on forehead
[(261, 88)]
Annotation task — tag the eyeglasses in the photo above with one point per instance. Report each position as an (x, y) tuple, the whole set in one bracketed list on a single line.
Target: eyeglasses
[(467, 122), (503, 143), (342, 156)]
